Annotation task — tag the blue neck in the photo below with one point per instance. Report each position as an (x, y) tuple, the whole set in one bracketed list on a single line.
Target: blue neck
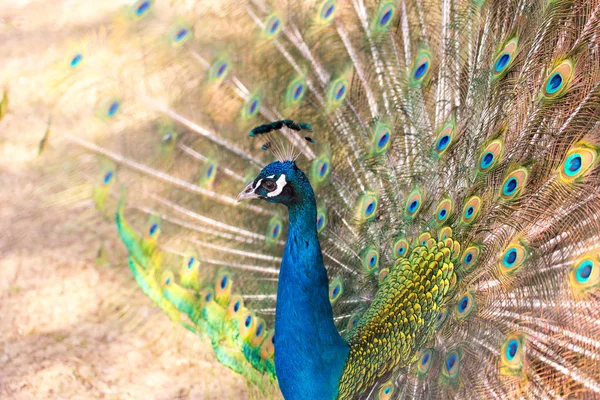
[(309, 352)]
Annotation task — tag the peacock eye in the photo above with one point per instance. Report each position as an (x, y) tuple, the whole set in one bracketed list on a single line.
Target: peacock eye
[(269, 185)]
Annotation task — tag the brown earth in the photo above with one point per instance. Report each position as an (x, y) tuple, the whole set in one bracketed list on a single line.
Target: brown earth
[(69, 328)]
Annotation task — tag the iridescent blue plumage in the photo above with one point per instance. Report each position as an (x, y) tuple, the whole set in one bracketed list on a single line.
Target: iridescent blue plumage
[(310, 352)]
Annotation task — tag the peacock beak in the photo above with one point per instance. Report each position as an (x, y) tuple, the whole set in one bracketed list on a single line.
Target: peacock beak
[(247, 193)]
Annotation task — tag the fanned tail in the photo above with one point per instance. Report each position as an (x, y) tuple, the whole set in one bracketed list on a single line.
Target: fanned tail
[(462, 131)]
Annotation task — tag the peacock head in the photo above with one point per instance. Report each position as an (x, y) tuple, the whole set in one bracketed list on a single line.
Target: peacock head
[(279, 182)]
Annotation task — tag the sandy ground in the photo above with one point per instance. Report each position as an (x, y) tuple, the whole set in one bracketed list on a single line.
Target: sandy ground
[(61, 336)]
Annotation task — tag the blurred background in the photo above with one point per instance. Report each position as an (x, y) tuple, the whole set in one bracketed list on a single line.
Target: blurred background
[(64, 332)]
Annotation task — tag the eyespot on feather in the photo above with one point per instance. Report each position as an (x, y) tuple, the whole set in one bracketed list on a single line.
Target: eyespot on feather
[(512, 355), (336, 289), (236, 306), (272, 26), (320, 168), (259, 333), (207, 296), (208, 174), (443, 211), (274, 229), (168, 138), (424, 361), (219, 69), (188, 270), (413, 203), (153, 230), (558, 80), (451, 367), (337, 92), (106, 180), (578, 161), (386, 391), (167, 278), (490, 156), (469, 257), (246, 324), (471, 210), (251, 107), (140, 9), (179, 34), (444, 138), (465, 306), (513, 184), (381, 139), (190, 262), (326, 12), (110, 109), (370, 259), (367, 207), (295, 92), (385, 16), (441, 318), (400, 248), (512, 259), (584, 275), (420, 68), (505, 58), (223, 285), (321, 220), (76, 60), (353, 321)]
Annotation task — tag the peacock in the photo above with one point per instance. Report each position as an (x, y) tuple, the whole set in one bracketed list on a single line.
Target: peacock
[(350, 199)]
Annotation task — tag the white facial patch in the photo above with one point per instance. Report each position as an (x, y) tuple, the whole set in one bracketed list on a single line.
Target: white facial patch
[(257, 184), (280, 182)]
